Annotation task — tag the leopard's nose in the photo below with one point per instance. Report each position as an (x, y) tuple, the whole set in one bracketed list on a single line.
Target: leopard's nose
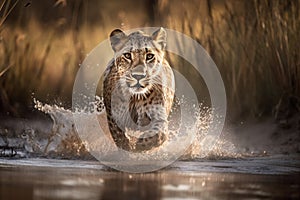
[(138, 76)]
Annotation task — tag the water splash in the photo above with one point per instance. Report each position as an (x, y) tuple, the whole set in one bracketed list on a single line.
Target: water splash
[(63, 139)]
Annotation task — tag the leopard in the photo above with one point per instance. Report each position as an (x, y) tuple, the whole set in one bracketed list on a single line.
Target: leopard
[(138, 90)]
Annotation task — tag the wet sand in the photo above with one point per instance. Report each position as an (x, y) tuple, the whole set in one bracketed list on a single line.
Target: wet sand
[(276, 177)]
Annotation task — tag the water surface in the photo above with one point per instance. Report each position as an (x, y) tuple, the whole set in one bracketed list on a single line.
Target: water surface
[(276, 177)]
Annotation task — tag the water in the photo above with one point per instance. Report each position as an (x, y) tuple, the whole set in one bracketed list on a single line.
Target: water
[(254, 178), (45, 159), (63, 134)]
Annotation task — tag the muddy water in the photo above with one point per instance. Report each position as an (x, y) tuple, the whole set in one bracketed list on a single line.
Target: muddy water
[(276, 177)]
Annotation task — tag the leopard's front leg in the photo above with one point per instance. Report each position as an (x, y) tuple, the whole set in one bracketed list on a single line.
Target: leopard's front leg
[(155, 133)]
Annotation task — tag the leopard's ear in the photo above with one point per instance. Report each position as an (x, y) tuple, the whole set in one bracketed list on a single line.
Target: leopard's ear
[(160, 37), (116, 38)]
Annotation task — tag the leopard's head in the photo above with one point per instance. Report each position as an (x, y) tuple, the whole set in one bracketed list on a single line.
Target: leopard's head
[(139, 58)]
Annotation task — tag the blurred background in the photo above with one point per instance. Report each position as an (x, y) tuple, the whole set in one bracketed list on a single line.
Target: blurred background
[(254, 43)]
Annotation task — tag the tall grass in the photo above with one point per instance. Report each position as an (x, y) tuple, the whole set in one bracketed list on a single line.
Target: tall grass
[(6, 6), (254, 43), (38, 60), (41, 65), (41, 62), (5, 9)]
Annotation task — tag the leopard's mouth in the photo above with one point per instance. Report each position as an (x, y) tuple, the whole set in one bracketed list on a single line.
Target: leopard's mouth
[(137, 88), (135, 85)]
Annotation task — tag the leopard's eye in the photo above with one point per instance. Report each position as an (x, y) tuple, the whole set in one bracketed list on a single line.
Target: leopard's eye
[(149, 56), (127, 55)]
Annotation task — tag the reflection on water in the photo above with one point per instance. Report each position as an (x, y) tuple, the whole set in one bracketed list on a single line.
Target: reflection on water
[(275, 177), (225, 173)]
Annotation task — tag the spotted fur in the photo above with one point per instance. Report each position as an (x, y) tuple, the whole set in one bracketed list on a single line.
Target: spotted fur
[(138, 90)]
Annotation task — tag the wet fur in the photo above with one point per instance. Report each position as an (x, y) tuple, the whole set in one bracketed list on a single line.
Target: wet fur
[(145, 113)]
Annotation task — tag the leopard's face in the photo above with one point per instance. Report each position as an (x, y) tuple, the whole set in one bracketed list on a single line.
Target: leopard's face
[(138, 58)]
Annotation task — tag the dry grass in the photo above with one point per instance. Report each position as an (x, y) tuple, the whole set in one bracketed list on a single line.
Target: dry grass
[(5, 9), (42, 65), (40, 62), (254, 43)]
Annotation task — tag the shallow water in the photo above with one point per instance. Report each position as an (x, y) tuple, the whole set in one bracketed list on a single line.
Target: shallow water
[(251, 164), (276, 177)]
